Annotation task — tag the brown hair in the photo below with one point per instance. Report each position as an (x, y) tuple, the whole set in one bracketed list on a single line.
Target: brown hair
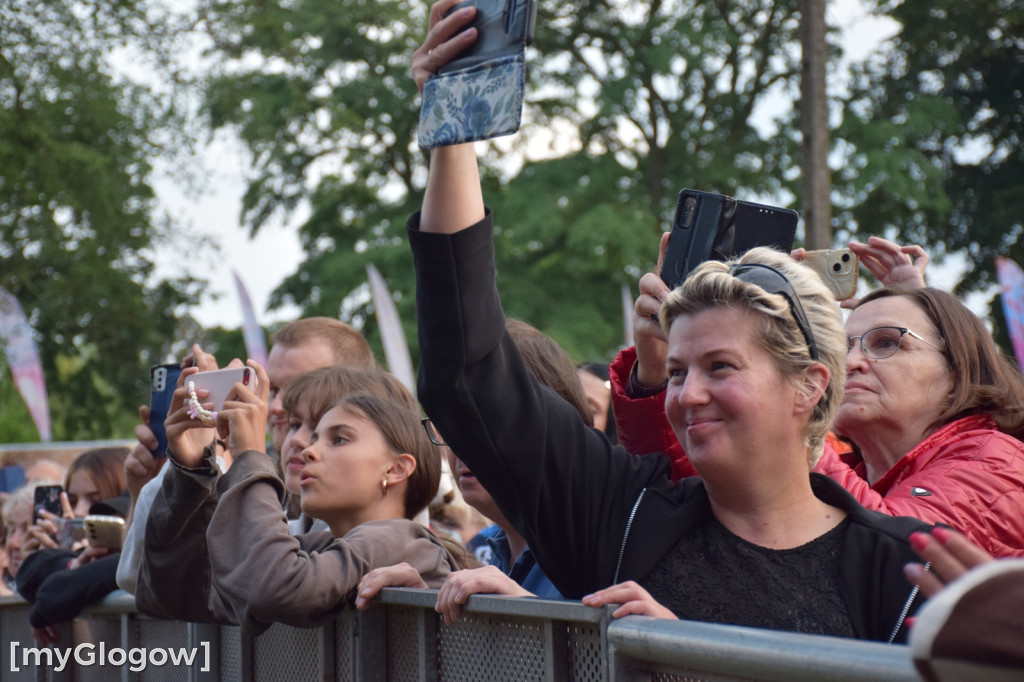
[(105, 467), (320, 389), (550, 365), (403, 432), (985, 381), (347, 345)]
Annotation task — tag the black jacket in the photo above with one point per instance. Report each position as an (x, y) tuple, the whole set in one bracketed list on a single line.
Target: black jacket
[(570, 492), (59, 595)]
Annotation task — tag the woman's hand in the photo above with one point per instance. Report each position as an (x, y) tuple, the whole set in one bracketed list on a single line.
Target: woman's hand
[(444, 40), (461, 585), (242, 421), (187, 437), (649, 337), (43, 533), (46, 636), (635, 600), (140, 466), (87, 555), (951, 555), (892, 264), (399, 575)]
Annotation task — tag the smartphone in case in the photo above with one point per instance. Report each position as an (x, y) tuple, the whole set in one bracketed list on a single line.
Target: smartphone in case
[(219, 383), (837, 268), (709, 226), (163, 379), (104, 531), (47, 497)]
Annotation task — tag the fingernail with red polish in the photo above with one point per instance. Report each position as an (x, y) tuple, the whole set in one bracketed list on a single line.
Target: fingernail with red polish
[(918, 541), (941, 534)]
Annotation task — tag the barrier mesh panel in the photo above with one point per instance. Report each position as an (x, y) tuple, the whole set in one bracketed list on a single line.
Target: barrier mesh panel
[(344, 641), (165, 634), (492, 648), (287, 653), (588, 653), (403, 643), (14, 627), (108, 663), (230, 654)]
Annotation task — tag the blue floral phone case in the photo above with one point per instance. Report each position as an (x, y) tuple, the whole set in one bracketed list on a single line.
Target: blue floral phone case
[(479, 94)]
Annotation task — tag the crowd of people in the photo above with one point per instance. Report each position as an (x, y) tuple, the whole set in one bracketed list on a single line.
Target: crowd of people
[(796, 472)]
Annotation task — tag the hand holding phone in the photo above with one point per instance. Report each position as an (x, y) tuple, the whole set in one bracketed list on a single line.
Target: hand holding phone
[(47, 498), (163, 379), (104, 531), (219, 383), (711, 226), (837, 269)]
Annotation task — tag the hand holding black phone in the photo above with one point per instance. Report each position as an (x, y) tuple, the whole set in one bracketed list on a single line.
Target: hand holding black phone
[(710, 226)]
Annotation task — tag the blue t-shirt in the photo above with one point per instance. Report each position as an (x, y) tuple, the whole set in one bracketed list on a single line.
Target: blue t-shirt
[(490, 546)]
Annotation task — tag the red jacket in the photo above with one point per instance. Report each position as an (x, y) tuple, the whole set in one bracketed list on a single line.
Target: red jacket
[(968, 474)]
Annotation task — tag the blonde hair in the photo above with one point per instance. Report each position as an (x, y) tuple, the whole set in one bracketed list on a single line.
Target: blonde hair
[(713, 285)]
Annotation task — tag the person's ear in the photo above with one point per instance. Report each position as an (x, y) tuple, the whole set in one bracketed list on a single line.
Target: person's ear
[(401, 468), (811, 388)]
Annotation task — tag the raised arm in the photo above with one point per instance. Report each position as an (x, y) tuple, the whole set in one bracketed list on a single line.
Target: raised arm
[(453, 200)]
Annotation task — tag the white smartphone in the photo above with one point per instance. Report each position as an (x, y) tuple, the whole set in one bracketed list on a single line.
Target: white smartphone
[(219, 383), (104, 531), (837, 268)]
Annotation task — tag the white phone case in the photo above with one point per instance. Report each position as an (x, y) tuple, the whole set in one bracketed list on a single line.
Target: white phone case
[(219, 383)]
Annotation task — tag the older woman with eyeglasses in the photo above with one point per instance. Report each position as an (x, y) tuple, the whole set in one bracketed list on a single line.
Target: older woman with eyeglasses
[(934, 412)]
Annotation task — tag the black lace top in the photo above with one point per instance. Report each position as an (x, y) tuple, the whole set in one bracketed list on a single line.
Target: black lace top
[(714, 576)]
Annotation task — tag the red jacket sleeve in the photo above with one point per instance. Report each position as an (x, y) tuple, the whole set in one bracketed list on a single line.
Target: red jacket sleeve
[(641, 422)]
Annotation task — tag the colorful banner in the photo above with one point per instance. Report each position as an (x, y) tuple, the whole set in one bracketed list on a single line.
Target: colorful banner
[(396, 350), (255, 346), (1011, 281), (23, 358)]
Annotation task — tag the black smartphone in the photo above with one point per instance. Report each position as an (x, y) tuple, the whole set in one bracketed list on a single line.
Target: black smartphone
[(163, 379), (709, 226), (47, 497)]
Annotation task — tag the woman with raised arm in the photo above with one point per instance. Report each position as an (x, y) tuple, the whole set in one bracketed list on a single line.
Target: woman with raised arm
[(218, 547), (933, 409), (757, 540)]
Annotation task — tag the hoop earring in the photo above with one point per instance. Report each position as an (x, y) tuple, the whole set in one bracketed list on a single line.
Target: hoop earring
[(384, 486)]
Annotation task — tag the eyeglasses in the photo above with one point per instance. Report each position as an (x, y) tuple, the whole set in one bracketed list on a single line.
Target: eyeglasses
[(883, 342), (432, 432), (774, 282)]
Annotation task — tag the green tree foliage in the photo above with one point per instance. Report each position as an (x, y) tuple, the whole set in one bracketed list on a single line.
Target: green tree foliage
[(640, 99), (77, 215), (934, 124)]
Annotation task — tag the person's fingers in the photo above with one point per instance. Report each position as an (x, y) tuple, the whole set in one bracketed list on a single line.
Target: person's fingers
[(798, 254), (202, 361), (262, 381), (65, 505), (144, 434), (926, 580), (445, 39), (959, 546), (662, 248)]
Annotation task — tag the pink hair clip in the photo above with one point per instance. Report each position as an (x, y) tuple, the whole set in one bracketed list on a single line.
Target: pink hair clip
[(196, 409)]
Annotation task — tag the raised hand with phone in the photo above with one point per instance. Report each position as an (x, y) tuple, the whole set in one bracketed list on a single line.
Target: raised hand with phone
[(238, 395)]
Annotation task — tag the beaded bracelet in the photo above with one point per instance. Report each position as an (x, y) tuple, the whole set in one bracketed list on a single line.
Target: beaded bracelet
[(196, 409)]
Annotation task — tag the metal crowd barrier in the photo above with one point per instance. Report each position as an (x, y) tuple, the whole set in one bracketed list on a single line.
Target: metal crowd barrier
[(401, 638)]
